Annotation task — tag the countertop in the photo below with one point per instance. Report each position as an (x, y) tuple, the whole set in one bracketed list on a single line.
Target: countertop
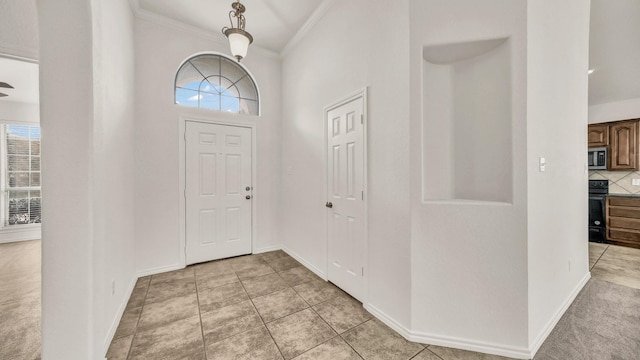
[(624, 195)]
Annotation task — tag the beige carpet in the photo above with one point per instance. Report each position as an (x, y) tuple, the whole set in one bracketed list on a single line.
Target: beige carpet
[(20, 301), (602, 323)]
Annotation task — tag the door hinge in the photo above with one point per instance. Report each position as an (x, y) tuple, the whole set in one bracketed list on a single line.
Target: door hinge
[(185, 136), (184, 192), (362, 194), (361, 118), (362, 270)]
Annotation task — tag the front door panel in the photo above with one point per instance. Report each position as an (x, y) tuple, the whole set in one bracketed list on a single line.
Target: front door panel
[(218, 173)]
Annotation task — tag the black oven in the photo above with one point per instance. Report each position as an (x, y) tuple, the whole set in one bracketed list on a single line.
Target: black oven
[(598, 190)]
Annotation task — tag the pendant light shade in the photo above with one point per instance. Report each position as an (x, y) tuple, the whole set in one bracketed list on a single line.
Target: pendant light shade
[(239, 39)]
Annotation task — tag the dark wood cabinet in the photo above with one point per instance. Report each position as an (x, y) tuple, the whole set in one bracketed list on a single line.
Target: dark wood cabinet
[(598, 135), (623, 221), (623, 141)]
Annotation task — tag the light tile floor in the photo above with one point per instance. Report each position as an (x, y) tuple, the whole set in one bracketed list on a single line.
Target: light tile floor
[(268, 306), (254, 307), (616, 264), (265, 306)]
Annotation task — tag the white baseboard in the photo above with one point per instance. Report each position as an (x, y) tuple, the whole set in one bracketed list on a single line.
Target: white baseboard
[(458, 343), (116, 321), (484, 347), (388, 320), (471, 345), (542, 336), (306, 264), (9, 235), (267, 249), (159, 270)]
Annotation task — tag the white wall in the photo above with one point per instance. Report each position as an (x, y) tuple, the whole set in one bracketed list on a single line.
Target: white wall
[(18, 112), (356, 44), (113, 164), (19, 39), (614, 111), (67, 155), (87, 173), (18, 29), (614, 89), (468, 259), (160, 50), (556, 130), (614, 50)]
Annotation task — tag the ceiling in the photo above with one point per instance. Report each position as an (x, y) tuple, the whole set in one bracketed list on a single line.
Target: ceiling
[(614, 38), (272, 23), (614, 51), (23, 76)]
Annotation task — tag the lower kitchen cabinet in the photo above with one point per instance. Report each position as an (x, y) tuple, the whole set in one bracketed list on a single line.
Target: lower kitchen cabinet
[(623, 221)]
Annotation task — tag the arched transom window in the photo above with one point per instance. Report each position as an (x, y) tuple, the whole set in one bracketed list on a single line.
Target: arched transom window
[(215, 82)]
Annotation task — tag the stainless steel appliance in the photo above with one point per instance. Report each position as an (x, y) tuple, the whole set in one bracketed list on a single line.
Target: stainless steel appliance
[(598, 190), (597, 158)]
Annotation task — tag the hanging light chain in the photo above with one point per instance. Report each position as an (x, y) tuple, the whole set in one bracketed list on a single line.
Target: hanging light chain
[(237, 12)]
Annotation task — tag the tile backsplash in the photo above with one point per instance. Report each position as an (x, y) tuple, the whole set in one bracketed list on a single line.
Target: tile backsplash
[(620, 182)]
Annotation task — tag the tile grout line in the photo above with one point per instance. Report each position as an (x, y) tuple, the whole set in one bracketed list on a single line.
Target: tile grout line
[(348, 343), (204, 343), (331, 327), (599, 257), (260, 316), (426, 349), (135, 330), (337, 333), (309, 306)]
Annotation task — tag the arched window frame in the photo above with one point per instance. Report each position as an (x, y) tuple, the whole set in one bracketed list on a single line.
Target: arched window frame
[(232, 88)]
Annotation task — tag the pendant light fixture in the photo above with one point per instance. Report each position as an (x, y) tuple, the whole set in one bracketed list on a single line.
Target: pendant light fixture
[(239, 39)]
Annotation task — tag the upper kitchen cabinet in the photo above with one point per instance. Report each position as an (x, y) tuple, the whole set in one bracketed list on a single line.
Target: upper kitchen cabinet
[(598, 135), (623, 141)]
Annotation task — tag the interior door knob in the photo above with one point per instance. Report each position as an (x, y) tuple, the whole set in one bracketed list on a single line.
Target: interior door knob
[(329, 204), (248, 197)]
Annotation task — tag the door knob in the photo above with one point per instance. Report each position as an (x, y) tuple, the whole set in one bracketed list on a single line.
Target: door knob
[(329, 204), (248, 197)]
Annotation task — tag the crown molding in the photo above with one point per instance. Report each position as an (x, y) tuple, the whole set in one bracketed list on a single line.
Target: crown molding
[(143, 14), (315, 17), (21, 53)]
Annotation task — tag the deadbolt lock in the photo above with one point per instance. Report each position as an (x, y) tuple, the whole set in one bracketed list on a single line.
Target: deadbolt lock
[(248, 188)]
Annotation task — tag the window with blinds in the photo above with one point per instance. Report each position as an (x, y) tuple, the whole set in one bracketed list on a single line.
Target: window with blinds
[(21, 178)]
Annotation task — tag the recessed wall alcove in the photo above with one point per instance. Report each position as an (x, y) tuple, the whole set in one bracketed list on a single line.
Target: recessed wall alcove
[(467, 122)]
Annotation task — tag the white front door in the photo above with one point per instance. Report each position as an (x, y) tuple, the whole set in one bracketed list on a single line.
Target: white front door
[(218, 191), (345, 175)]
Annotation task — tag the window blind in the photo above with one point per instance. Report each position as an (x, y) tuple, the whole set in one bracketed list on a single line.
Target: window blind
[(22, 175)]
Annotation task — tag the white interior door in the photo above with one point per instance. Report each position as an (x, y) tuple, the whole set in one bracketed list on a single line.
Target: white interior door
[(345, 175), (218, 191)]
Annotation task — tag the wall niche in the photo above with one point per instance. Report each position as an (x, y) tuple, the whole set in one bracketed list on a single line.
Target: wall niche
[(467, 122)]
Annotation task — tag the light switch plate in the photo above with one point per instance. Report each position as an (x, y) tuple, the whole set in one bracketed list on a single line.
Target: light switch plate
[(543, 164), (635, 182)]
